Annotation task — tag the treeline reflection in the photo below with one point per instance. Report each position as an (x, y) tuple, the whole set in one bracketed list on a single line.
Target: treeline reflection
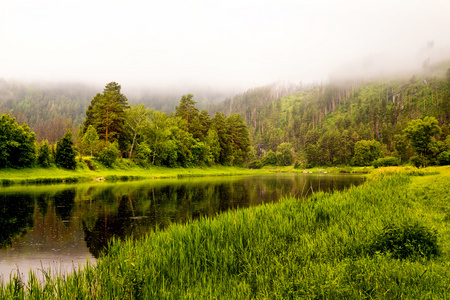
[(106, 210)]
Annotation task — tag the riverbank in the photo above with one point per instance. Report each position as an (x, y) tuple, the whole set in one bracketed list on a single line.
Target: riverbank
[(389, 238), (89, 170), (124, 170)]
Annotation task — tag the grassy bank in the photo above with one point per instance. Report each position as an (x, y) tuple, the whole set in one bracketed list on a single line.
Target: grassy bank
[(122, 170), (389, 239)]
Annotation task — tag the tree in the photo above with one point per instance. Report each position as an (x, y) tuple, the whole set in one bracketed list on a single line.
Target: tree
[(110, 117), (221, 127), (157, 136), (270, 158), (284, 154), (17, 144), (43, 157), (136, 118), (239, 138), (421, 134), (366, 152), (108, 155), (212, 142), (187, 110), (400, 146), (65, 152), (107, 113), (90, 139)]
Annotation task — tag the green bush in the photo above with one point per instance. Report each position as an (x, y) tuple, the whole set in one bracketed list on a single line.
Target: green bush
[(406, 241), (108, 155), (270, 158), (418, 161), (444, 158), (386, 162), (255, 164)]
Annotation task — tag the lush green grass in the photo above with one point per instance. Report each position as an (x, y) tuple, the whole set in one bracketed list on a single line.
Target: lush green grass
[(387, 239), (122, 170), (320, 169)]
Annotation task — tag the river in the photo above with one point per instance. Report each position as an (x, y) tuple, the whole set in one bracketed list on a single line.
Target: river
[(62, 226)]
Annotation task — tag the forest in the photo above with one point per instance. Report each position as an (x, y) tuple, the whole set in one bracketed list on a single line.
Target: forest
[(112, 128), (349, 122)]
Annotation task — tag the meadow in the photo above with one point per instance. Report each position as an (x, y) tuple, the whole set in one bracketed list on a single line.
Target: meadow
[(388, 238)]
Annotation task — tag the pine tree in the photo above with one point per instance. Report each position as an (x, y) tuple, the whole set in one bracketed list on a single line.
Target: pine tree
[(65, 152)]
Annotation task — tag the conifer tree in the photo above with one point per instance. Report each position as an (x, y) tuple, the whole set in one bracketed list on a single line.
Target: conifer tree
[(65, 152)]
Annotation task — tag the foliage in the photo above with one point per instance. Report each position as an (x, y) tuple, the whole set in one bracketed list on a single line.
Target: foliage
[(143, 154), (406, 241), (421, 133), (65, 152), (135, 119), (366, 152), (90, 139), (270, 158), (106, 113), (255, 164), (108, 154), (284, 154), (43, 157), (17, 144), (444, 158), (386, 162)]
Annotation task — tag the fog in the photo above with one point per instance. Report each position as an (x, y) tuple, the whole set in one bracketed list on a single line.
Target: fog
[(217, 45)]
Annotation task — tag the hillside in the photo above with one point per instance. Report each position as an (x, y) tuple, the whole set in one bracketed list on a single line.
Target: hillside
[(323, 122)]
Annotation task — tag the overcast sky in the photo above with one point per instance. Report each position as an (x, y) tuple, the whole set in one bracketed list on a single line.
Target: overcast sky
[(227, 43)]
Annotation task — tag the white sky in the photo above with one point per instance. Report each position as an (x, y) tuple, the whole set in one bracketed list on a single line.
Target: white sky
[(227, 43)]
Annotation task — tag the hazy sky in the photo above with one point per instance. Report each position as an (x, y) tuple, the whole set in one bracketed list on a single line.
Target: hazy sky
[(228, 43)]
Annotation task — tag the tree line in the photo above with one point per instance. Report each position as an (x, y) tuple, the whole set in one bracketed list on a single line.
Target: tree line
[(113, 128), (332, 124)]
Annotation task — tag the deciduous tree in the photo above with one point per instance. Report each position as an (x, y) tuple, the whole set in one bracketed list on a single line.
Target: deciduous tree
[(17, 144)]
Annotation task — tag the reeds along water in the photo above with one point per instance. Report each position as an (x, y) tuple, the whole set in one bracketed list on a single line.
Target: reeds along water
[(315, 248)]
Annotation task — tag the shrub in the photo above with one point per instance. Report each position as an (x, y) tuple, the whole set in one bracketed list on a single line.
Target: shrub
[(270, 158), (418, 161), (406, 241), (444, 158), (255, 164), (386, 162), (108, 155)]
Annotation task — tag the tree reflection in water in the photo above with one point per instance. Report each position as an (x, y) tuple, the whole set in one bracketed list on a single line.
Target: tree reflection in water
[(124, 209)]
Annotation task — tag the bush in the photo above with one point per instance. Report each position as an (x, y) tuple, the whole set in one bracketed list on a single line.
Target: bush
[(255, 164), (444, 158), (386, 162), (270, 158), (418, 161), (108, 155), (406, 241)]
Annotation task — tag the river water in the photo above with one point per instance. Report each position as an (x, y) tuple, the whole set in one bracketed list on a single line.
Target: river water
[(62, 226)]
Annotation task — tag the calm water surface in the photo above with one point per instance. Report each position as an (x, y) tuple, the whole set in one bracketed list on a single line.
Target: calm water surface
[(62, 226)]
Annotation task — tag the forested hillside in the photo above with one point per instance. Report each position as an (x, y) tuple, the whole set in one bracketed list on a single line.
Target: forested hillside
[(51, 109), (322, 124)]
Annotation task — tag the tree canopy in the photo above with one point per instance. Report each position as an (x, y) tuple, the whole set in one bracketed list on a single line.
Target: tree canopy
[(17, 144)]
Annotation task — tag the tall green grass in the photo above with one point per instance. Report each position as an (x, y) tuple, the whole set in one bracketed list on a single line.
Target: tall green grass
[(330, 246)]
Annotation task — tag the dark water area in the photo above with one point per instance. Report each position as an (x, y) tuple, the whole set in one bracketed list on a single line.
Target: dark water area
[(61, 226)]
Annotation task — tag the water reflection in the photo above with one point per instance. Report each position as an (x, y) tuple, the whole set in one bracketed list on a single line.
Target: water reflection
[(73, 222)]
